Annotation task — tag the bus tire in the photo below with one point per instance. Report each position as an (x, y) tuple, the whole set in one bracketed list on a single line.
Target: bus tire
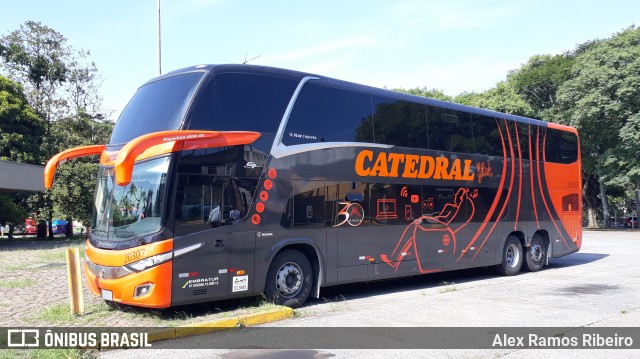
[(289, 279), (511, 257), (535, 255)]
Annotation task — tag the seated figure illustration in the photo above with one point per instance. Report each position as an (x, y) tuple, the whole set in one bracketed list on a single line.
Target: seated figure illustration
[(441, 226)]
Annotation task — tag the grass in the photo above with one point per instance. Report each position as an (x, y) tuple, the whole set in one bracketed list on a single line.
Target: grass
[(52, 255), (48, 354), (449, 287), (337, 305), (29, 262), (57, 314), (17, 283)]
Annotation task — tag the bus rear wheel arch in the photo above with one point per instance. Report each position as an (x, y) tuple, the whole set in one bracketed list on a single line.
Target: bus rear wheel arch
[(289, 278), (512, 256), (536, 255)]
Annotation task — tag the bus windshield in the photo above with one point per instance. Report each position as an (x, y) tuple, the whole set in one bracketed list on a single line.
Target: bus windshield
[(156, 106), (124, 212)]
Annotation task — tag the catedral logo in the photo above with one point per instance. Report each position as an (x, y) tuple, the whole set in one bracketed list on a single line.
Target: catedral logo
[(383, 164)]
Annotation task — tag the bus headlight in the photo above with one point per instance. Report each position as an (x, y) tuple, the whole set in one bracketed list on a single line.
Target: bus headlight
[(143, 264)]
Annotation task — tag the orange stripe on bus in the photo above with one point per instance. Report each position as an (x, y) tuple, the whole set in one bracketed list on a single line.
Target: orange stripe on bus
[(117, 258), (178, 140), (499, 195), (52, 164), (495, 200)]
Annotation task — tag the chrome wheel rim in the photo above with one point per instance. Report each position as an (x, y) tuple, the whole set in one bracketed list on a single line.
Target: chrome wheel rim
[(289, 280), (513, 256)]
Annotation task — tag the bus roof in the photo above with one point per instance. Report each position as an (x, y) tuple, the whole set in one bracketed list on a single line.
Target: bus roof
[(212, 69)]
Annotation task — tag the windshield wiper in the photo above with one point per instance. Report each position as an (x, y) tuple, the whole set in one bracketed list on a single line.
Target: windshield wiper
[(130, 234)]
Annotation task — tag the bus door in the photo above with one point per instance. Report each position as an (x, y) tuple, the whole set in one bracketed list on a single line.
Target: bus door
[(218, 254)]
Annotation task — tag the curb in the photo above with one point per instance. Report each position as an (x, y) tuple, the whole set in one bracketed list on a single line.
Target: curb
[(221, 324)]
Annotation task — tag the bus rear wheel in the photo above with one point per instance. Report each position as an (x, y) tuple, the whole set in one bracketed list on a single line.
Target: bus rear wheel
[(535, 256), (289, 279), (511, 257)]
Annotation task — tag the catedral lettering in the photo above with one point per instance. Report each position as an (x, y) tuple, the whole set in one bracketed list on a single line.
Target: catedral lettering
[(384, 164)]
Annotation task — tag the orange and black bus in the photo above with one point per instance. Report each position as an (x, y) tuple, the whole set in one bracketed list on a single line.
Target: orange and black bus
[(223, 181)]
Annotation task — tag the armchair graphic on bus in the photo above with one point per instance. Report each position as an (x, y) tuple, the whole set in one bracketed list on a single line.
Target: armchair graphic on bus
[(433, 234)]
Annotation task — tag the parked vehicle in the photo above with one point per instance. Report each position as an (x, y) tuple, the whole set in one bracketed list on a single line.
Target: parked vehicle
[(30, 226), (628, 223), (59, 226)]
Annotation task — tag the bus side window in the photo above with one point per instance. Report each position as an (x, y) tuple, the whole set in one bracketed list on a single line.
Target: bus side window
[(486, 136), (308, 208), (329, 114), (194, 203), (561, 146), (400, 123)]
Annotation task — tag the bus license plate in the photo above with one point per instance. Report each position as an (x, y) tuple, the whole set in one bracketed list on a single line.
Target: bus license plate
[(107, 294)]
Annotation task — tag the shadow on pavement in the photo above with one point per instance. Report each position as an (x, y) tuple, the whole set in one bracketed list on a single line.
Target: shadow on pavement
[(575, 259)]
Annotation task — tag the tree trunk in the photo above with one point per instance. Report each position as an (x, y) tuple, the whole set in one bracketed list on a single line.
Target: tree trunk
[(50, 227), (69, 229), (637, 205), (605, 205), (592, 217)]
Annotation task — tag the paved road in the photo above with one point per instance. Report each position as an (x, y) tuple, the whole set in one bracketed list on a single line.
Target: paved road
[(596, 287)]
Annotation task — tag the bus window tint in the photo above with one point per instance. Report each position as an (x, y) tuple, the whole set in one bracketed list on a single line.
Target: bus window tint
[(449, 130), (308, 207), (561, 146), (157, 106), (329, 114), (486, 136), (205, 202), (523, 136), (243, 102), (400, 123)]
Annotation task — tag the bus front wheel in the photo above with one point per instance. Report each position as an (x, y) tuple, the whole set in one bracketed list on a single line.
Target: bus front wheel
[(536, 254), (511, 257), (289, 279)]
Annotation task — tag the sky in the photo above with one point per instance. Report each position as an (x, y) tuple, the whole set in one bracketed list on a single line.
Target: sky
[(450, 45)]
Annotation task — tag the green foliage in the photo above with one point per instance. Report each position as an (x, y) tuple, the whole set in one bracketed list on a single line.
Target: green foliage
[(10, 213), (425, 92), (621, 164), (21, 130), (72, 193), (35, 56), (601, 98), (538, 80), (63, 88), (502, 98)]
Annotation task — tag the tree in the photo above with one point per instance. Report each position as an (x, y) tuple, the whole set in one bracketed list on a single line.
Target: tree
[(538, 80), (425, 92), (21, 129), (502, 98), (602, 100), (72, 193), (63, 87), (10, 214)]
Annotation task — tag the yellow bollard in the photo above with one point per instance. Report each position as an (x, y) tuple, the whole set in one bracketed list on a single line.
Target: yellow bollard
[(75, 281)]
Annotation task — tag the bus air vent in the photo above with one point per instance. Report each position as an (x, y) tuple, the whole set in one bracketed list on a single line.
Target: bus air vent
[(200, 291)]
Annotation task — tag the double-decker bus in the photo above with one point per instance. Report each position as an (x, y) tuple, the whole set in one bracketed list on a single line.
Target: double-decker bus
[(223, 181)]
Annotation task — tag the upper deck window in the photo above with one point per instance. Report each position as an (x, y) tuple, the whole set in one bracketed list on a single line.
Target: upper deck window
[(561, 146), (157, 106), (243, 102), (329, 114)]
